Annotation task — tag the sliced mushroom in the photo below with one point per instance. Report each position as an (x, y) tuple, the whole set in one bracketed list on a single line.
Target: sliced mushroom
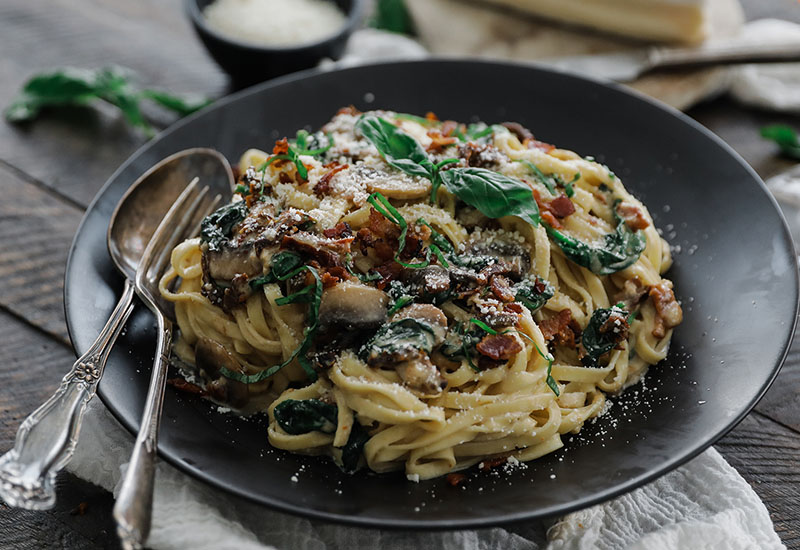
[(351, 306), (422, 376), (210, 357), (224, 264), (516, 256), (428, 280), (427, 313)]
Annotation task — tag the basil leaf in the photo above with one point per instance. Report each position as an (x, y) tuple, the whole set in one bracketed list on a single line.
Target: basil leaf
[(594, 342), (785, 137), (533, 294), (549, 380), (395, 146), (615, 252), (393, 16), (297, 417), (73, 86), (494, 194), (216, 228), (284, 265)]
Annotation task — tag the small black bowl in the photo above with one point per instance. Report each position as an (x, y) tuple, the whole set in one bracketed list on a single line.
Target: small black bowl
[(249, 63)]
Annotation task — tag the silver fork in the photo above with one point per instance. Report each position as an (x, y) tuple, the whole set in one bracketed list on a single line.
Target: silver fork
[(133, 507)]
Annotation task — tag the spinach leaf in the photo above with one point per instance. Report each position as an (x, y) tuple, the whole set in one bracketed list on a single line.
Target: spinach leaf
[(398, 337), (613, 253), (284, 264), (494, 194), (785, 137), (312, 294), (533, 294), (353, 450), (594, 342), (216, 228), (297, 417), (400, 295), (396, 147), (74, 86), (460, 344)]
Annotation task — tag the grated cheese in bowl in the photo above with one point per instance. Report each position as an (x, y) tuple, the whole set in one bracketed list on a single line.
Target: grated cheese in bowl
[(275, 22)]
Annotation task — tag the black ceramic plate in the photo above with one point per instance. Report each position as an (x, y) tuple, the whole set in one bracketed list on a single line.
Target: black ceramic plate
[(734, 272)]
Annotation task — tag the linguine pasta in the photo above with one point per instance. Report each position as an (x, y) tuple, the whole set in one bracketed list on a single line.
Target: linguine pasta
[(410, 294)]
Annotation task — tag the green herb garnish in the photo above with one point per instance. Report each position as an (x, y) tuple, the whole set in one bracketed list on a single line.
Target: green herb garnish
[(533, 294), (71, 86), (393, 16), (594, 342), (786, 138), (216, 228), (615, 252), (551, 382), (397, 337), (284, 265)]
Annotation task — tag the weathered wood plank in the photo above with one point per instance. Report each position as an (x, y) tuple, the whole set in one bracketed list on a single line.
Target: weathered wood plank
[(767, 455), (782, 402), (75, 151), (36, 230)]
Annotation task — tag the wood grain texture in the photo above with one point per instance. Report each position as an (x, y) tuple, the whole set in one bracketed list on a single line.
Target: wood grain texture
[(75, 151), (36, 230), (767, 455)]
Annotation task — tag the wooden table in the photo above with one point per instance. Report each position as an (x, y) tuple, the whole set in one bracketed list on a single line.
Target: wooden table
[(50, 170)]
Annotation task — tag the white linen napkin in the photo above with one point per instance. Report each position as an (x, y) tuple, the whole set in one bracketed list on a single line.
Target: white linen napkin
[(703, 505)]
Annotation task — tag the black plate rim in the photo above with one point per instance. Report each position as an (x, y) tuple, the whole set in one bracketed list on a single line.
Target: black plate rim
[(391, 523)]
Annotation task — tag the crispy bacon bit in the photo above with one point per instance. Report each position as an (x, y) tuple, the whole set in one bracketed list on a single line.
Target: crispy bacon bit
[(187, 387), (431, 117), (518, 130), (550, 219), (283, 177), (561, 206), (439, 141), (349, 110), (389, 271), (479, 156), (562, 329), (632, 216), (514, 307), (281, 147), (499, 346), (631, 293), (615, 327), (668, 312), (323, 186), (536, 144), (454, 480), (339, 231), (501, 288), (329, 280), (380, 234), (492, 463)]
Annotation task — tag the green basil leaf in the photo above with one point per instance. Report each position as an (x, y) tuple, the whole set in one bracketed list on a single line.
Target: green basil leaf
[(393, 16), (182, 105), (785, 137), (613, 253), (594, 342), (297, 417), (396, 147), (494, 194)]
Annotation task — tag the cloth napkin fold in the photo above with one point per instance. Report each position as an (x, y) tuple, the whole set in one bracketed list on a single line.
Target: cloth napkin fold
[(703, 505)]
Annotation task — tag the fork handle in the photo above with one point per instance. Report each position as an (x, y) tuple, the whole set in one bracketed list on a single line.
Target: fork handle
[(133, 509), (46, 439)]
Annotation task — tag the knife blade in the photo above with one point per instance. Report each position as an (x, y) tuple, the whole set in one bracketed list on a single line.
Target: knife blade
[(629, 65)]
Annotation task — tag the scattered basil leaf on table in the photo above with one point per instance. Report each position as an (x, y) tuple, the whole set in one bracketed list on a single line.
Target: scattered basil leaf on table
[(392, 15), (785, 137), (75, 86)]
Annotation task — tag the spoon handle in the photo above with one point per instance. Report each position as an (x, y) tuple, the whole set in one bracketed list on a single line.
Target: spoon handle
[(133, 508), (46, 439)]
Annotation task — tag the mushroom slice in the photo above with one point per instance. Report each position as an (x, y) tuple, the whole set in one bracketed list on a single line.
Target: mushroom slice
[(427, 313), (210, 356), (422, 376), (352, 306)]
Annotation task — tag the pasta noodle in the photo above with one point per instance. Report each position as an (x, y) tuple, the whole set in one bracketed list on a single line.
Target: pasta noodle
[(410, 294)]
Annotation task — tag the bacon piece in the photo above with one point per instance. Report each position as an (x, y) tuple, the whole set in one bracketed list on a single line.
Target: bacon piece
[(439, 141), (514, 307), (430, 116), (499, 346), (492, 463), (480, 156), (389, 271), (501, 288), (518, 130), (616, 327), (187, 387), (562, 329), (283, 177), (340, 230), (668, 312), (349, 110), (454, 480), (550, 219), (632, 216), (281, 147), (561, 206), (631, 293), (323, 186)]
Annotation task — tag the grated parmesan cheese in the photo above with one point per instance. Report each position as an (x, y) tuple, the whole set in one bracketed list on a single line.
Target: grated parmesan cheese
[(275, 22)]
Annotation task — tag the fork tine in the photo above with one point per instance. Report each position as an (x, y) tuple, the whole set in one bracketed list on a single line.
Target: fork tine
[(175, 232)]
